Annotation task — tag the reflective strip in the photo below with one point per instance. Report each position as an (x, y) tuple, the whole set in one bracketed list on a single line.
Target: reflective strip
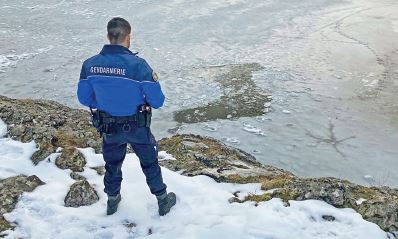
[(124, 78)]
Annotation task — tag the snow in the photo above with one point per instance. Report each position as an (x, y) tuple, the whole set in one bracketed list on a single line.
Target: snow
[(252, 129), (163, 155), (231, 140), (202, 210), (12, 60), (3, 129), (360, 201)]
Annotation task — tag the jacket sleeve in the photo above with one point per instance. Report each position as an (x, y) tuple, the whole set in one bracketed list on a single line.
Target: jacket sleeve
[(151, 87), (85, 91)]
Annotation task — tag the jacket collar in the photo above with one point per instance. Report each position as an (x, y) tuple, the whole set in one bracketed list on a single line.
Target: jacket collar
[(115, 49)]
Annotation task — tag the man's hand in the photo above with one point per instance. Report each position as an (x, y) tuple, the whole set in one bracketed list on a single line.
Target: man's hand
[(145, 107)]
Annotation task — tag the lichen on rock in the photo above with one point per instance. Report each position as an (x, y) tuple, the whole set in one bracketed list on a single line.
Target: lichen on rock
[(197, 155), (76, 176), (49, 124), (100, 170), (72, 159), (80, 194), (10, 191), (379, 205)]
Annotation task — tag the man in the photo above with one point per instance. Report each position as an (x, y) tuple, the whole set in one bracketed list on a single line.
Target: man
[(122, 88)]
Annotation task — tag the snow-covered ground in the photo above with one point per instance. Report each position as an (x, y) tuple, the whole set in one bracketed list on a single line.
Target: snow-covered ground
[(202, 210)]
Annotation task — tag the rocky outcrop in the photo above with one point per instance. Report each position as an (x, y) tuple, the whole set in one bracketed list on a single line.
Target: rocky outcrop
[(196, 155), (50, 124), (10, 190), (53, 125), (80, 194), (377, 205)]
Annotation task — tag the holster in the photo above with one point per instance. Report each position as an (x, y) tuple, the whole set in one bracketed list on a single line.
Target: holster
[(98, 123), (144, 116)]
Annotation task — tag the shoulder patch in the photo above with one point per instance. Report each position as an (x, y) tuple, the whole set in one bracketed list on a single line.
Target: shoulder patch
[(155, 76)]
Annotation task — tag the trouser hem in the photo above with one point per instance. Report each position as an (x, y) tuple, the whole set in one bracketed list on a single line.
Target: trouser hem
[(160, 193)]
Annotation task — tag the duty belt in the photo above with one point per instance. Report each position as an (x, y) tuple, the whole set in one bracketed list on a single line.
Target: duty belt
[(109, 119)]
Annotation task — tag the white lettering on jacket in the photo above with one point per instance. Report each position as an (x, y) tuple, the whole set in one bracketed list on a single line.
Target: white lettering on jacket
[(107, 70)]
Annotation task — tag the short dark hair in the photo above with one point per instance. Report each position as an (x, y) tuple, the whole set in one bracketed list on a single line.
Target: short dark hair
[(118, 29)]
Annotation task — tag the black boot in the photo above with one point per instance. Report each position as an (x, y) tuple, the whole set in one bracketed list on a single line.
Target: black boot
[(166, 201), (112, 204)]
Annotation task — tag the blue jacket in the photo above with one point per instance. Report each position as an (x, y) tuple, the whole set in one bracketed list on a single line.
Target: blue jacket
[(117, 81)]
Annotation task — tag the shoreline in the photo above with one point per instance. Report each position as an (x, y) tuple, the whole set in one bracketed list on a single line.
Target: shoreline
[(55, 127)]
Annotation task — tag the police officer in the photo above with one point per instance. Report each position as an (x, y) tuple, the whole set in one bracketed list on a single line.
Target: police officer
[(121, 89)]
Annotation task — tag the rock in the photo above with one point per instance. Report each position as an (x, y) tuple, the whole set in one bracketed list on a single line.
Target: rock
[(49, 124), (71, 159), (10, 191), (326, 189), (45, 150), (190, 144), (380, 205), (93, 143), (100, 170), (328, 218), (5, 225), (80, 194), (77, 176), (18, 130), (12, 188), (198, 155), (129, 225), (234, 200)]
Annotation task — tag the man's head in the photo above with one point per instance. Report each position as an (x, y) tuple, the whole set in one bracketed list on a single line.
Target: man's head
[(119, 31)]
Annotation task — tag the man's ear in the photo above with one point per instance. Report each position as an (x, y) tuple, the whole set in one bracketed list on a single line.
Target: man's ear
[(128, 40), (109, 38)]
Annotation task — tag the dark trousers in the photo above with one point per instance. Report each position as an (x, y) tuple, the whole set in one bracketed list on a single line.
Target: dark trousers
[(145, 147)]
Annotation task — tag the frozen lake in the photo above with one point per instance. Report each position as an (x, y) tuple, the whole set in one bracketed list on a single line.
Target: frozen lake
[(329, 66)]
